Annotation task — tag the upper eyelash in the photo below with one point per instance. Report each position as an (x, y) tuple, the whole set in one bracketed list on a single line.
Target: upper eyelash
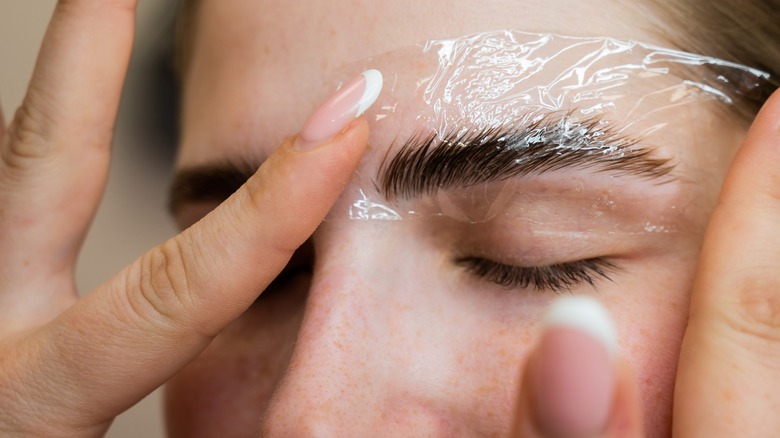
[(558, 278)]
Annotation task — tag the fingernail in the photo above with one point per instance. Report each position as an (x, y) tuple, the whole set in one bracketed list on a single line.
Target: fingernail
[(574, 371), (347, 104)]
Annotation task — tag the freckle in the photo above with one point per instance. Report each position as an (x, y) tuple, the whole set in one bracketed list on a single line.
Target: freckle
[(728, 395)]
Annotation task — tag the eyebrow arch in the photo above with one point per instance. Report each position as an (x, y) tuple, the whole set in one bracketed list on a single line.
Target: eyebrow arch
[(429, 163)]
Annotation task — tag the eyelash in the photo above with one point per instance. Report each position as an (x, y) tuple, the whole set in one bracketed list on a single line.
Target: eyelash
[(557, 278)]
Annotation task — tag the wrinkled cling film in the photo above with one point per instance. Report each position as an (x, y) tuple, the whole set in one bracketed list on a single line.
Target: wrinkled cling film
[(542, 101)]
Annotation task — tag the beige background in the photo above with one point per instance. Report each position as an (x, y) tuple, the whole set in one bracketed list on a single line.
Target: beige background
[(132, 217)]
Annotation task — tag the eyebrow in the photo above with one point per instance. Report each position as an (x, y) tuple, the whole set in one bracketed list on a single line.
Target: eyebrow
[(207, 183), (427, 163)]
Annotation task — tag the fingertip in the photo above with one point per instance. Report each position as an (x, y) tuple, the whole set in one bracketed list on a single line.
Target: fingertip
[(574, 373), (774, 108), (584, 314), (752, 185), (356, 132), (339, 111), (774, 100), (338, 155), (766, 126)]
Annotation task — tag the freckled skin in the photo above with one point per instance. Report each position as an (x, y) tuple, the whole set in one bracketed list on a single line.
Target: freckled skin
[(386, 336), (239, 369)]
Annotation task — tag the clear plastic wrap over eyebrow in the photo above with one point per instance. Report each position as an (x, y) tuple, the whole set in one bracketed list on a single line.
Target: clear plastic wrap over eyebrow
[(462, 120)]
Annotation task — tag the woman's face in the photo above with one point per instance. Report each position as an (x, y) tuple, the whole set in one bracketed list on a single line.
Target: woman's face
[(386, 325)]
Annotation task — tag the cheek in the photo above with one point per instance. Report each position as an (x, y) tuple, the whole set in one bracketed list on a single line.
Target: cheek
[(650, 311), (431, 341), (494, 358), (226, 389), (475, 340)]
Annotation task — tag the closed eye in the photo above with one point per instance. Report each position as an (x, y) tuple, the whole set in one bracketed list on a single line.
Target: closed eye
[(557, 278)]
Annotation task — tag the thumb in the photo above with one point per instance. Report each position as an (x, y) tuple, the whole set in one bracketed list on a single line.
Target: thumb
[(574, 383)]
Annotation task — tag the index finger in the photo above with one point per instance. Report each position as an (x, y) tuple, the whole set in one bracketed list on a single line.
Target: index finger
[(132, 334), (54, 157), (728, 382)]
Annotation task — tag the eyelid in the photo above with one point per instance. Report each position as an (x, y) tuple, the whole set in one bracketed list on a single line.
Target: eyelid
[(558, 278)]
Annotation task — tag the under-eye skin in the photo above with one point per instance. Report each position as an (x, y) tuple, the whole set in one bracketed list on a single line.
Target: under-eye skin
[(558, 278)]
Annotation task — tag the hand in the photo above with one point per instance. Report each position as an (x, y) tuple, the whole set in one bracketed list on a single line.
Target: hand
[(69, 366), (728, 380)]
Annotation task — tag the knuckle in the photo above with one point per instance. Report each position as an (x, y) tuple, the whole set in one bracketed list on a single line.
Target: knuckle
[(254, 190), (26, 140), (281, 238), (758, 305), (163, 294)]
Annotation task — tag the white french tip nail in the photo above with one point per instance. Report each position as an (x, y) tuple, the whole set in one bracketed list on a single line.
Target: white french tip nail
[(585, 314), (371, 93)]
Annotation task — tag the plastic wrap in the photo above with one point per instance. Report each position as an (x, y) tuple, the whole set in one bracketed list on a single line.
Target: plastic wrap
[(548, 108)]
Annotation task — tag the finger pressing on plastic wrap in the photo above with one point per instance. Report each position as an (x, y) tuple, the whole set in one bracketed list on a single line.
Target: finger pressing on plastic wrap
[(551, 133)]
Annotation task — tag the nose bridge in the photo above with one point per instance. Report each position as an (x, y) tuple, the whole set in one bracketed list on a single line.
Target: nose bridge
[(356, 368), (339, 345), (342, 308)]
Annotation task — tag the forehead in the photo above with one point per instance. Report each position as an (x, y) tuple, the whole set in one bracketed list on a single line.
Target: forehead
[(259, 68)]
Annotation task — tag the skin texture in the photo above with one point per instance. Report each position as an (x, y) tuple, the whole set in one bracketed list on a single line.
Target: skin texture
[(391, 334), (377, 332)]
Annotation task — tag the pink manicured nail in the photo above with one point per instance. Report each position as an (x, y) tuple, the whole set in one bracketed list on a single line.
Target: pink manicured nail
[(349, 103), (574, 381)]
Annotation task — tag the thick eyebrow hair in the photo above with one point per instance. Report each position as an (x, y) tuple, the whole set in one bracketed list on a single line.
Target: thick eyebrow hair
[(208, 183), (429, 163)]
